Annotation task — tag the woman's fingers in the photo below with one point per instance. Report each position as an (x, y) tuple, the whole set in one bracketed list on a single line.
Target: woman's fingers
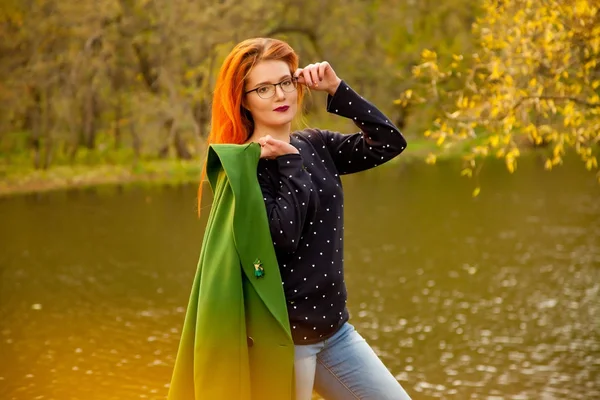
[(322, 69), (314, 74), (300, 76), (307, 78), (272, 148)]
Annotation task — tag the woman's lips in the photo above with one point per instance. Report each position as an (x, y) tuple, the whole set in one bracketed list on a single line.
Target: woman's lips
[(282, 108)]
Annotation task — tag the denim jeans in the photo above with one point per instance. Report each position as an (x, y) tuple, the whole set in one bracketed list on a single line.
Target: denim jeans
[(344, 367)]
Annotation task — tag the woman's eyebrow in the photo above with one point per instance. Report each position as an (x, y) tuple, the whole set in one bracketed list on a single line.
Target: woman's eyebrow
[(280, 79)]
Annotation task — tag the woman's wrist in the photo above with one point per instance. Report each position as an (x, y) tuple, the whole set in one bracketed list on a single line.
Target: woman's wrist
[(331, 91)]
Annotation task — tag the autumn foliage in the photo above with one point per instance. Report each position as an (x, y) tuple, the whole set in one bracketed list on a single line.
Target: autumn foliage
[(533, 80)]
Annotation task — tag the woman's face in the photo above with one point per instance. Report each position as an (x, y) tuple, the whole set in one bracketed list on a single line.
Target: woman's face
[(279, 109)]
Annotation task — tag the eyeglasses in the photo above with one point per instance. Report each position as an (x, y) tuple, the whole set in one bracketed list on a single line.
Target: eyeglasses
[(267, 91)]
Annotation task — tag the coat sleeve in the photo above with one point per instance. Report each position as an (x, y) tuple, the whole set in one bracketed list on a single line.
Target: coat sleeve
[(377, 142), (286, 197)]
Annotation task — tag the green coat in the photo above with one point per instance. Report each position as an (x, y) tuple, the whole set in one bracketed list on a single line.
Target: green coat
[(236, 342)]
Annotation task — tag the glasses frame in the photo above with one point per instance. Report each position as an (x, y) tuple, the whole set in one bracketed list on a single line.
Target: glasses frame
[(293, 79)]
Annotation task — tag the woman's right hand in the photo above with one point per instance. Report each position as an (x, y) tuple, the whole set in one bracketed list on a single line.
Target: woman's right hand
[(272, 148)]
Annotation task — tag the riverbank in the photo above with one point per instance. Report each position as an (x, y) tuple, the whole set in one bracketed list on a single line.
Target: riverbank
[(80, 176), (23, 179)]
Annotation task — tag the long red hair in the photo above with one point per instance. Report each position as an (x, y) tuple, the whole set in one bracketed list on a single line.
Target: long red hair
[(231, 122)]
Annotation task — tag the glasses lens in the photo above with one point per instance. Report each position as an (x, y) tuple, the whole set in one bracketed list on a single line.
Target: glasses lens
[(266, 92), (289, 85)]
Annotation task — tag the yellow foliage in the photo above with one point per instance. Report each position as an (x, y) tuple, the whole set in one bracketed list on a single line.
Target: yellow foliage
[(428, 55), (494, 141), (440, 140), (431, 158), (533, 77), (511, 165)]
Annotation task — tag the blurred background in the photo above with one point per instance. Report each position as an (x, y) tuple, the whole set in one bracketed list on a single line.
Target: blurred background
[(472, 260)]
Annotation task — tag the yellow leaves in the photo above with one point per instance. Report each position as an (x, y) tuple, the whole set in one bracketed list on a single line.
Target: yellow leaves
[(533, 133), (591, 163), (509, 122), (495, 74), (494, 141), (595, 43), (463, 102), (440, 140), (590, 64), (431, 159), (558, 150), (568, 111), (511, 159), (416, 71), (511, 164), (404, 98), (496, 109), (532, 80), (476, 191), (481, 150), (582, 7), (428, 55), (456, 59)]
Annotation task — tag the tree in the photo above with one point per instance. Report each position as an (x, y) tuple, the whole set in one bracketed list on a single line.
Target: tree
[(533, 80)]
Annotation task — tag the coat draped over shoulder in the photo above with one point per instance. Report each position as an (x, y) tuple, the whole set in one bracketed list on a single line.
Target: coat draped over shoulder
[(235, 342)]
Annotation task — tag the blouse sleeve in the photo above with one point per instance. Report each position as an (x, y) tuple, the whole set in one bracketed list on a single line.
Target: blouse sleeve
[(377, 142), (286, 197)]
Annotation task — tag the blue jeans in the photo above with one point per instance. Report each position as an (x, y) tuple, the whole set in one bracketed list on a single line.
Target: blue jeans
[(344, 367)]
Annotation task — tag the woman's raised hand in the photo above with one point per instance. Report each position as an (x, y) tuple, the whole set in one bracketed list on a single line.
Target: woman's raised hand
[(272, 148), (319, 76)]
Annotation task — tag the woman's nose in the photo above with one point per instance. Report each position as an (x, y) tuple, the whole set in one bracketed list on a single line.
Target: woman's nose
[(279, 93)]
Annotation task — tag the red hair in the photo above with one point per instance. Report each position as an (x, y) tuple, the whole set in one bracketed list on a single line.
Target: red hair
[(231, 122)]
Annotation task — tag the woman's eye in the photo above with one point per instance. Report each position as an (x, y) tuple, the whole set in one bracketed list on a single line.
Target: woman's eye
[(263, 89), (287, 82)]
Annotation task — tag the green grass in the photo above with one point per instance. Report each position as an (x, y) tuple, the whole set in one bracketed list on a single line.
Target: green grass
[(28, 180), (18, 176)]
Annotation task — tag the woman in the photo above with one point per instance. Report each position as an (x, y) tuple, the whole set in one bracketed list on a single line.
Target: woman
[(299, 176)]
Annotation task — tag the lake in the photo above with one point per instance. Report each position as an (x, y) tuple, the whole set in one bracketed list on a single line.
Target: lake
[(493, 297)]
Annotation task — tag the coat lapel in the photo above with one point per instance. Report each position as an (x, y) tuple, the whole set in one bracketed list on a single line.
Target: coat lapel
[(250, 225)]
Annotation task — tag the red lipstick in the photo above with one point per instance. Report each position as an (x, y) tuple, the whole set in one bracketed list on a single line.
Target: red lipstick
[(282, 108)]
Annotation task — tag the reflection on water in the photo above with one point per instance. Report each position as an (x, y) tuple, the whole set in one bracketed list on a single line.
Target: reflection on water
[(489, 298)]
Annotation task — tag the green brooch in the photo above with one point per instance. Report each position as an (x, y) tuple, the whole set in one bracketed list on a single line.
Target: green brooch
[(259, 271)]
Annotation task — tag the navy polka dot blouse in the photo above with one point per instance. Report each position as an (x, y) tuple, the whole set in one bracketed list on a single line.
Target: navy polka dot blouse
[(305, 205)]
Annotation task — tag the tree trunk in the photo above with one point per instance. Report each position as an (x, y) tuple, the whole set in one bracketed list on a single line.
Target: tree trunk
[(89, 118), (118, 116), (180, 147), (135, 139), (32, 123)]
